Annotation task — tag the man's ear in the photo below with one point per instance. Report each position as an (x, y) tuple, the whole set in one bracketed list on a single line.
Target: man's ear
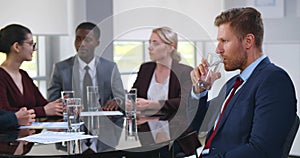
[(249, 40)]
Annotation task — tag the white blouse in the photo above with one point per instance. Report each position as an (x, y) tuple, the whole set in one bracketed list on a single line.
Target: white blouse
[(158, 91)]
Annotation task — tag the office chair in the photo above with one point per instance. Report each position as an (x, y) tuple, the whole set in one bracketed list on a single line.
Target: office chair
[(290, 138), (187, 145)]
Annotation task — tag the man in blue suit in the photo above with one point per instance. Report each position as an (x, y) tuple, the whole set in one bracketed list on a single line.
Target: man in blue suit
[(11, 120), (259, 116), (69, 75)]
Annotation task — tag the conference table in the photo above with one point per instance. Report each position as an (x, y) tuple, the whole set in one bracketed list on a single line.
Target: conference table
[(110, 140)]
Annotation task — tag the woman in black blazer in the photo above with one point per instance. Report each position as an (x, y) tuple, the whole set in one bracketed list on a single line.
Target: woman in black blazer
[(162, 88)]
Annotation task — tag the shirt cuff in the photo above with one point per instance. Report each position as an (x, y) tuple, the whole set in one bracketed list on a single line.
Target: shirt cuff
[(199, 95)]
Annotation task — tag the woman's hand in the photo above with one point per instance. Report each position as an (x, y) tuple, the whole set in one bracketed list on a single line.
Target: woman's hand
[(144, 104), (54, 108)]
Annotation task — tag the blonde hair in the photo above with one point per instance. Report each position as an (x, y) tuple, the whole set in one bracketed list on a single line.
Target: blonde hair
[(168, 36)]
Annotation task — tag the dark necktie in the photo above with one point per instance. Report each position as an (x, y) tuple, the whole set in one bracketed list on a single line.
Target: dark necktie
[(87, 81), (237, 83)]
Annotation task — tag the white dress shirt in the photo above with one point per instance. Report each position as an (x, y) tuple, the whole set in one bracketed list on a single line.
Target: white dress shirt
[(92, 71)]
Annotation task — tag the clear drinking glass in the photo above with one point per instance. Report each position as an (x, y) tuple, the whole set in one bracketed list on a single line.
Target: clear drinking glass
[(74, 108), (214, 61), (93, 98), (64, 96), (130, 112)]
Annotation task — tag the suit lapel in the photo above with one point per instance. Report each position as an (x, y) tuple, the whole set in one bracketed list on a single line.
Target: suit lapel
[(146, 77), (229, 86), (174, 80), (241, 91), (100, 68), (76, 77), (67, 72), (230, 105)]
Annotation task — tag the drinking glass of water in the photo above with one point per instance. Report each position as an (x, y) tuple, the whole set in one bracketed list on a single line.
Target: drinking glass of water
[(214, 61), (74, 108), (130, 112), (64, 96), (93, 98)]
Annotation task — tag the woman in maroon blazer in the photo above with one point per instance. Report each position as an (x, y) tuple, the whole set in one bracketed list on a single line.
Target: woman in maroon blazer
[(17, 89), (163, 85)]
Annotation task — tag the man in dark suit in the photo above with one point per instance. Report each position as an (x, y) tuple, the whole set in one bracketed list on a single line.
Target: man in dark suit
[(70, 75), (10, 120), (257, 119)]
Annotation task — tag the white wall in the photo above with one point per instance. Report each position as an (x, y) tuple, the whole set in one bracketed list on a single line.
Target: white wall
[(133, 19), (32, 13), (77, 12)]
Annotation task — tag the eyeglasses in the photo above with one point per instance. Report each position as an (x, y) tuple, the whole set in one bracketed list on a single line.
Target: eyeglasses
[(33, 44)]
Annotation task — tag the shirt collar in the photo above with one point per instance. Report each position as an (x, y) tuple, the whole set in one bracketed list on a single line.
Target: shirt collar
[(249, 70), (82, 64)]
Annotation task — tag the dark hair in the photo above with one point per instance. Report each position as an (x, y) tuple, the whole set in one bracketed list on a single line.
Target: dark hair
[(90, 26), (11, 34), (243, 21)]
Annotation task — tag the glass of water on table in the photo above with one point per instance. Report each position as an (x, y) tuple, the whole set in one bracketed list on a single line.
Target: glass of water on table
[(64, 96), (130, 113), (74, 108)]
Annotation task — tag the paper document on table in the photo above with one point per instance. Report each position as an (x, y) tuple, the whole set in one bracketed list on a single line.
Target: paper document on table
[(49, 137), (47, 125), (100, 113)]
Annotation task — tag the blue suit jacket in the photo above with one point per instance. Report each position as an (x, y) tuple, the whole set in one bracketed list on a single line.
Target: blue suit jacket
[(258, 118), (8, 120)]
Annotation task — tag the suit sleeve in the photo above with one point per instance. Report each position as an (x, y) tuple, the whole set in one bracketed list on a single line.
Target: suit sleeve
[(55, 85), (196, 111), (8, 120), (117, 86)]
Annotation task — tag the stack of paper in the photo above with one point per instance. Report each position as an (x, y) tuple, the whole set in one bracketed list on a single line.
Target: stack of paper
[(49, 137)]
